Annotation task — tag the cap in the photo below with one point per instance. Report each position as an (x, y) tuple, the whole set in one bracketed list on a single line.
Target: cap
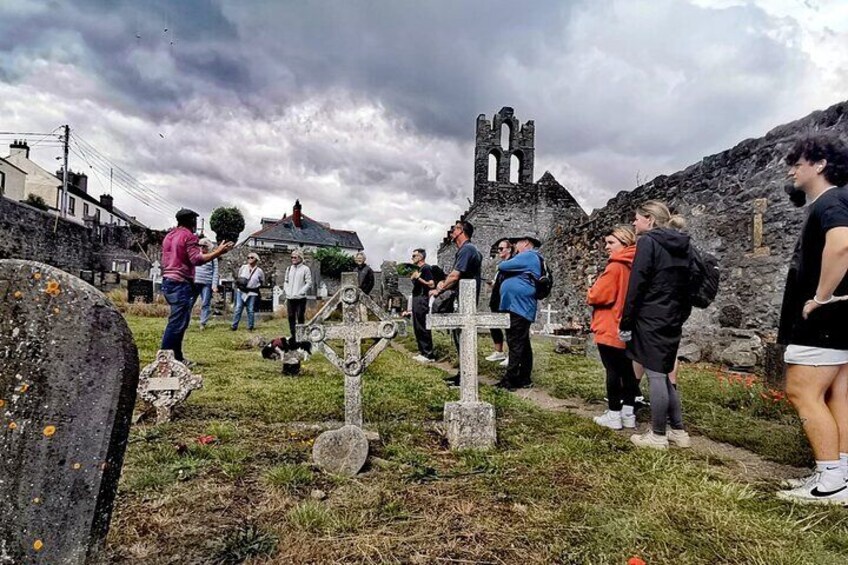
[(206, 243), (532, 237), (185, 213)]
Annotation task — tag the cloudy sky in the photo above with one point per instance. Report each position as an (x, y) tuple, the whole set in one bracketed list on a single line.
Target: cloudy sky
[(365, 110)]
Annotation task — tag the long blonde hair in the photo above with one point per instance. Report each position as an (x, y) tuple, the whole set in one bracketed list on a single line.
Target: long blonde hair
[(662, 216), (624, 234)]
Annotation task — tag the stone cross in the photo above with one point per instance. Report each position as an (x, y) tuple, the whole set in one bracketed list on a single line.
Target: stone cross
[(549, 311), (68, 375), (341, 451), (468, 321), (165, 383), (275, 300), (156, 272), (470, 423)]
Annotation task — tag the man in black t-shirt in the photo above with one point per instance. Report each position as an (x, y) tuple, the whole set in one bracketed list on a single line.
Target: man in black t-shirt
[(814, 316), (466, 265), (423, 281)]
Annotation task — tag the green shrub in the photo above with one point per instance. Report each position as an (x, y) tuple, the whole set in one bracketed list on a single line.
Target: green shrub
[(334, 261)]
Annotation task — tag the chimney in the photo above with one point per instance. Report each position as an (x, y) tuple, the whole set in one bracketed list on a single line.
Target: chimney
[(18, 147), (296, 215), (106, 201), (81, 181)]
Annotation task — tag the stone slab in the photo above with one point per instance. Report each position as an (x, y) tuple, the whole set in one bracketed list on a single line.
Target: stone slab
[(68, 375), (470, 425), (166, 383), (342, 451)]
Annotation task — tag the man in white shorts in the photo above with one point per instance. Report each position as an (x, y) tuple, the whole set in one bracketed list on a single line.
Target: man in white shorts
[(814, 316)]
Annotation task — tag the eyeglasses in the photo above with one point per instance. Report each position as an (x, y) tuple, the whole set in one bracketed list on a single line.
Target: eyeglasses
[(503, 248)]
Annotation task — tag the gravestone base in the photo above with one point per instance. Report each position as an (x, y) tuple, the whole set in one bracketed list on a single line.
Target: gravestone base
[(342, 451), (470, 425)]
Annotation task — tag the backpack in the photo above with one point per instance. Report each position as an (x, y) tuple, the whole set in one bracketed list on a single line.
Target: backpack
[(704, 276), (545, 283)]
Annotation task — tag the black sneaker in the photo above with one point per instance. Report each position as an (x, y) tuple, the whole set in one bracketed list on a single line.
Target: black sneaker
[(452, 381)]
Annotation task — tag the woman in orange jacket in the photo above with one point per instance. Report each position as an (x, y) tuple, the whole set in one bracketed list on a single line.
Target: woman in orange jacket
[(607, 300)]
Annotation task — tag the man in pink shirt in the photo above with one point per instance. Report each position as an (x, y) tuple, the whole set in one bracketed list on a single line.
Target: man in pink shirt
[(181, 252)]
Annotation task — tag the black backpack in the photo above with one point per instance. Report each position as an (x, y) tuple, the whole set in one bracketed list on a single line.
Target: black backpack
[(704, 276), (545, 284)]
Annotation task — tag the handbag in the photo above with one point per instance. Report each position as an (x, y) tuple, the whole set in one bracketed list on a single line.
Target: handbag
[(241, 282), (444, 302)]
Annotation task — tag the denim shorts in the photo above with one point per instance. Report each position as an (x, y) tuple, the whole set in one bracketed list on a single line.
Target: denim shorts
[(814, 356)]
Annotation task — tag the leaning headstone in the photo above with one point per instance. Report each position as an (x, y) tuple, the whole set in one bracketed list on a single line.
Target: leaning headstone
[(166, 383), (139, 290), (345, 450), (156, 273), (470, 423), (277, 298), (68, 374)]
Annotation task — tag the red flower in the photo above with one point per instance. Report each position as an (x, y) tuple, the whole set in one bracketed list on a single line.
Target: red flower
[(206, 440), (636, 561)]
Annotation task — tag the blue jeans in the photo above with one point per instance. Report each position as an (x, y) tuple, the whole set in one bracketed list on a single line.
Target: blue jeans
[(180, 295), (204, 291), (241, 302)]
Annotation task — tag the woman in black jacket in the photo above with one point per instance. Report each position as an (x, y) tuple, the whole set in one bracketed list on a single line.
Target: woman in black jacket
[(655, 309)]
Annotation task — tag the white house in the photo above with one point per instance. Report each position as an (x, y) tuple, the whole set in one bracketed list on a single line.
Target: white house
[(38, 181), (299, 231)]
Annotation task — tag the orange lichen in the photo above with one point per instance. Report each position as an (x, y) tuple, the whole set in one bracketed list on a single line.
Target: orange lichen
[(49, 430), (53, 288), (37, 545), (55, 310), (18, 294), (2, 403), (36, 500), (12, 425), (37, 276), (77, 465), (23, 388)]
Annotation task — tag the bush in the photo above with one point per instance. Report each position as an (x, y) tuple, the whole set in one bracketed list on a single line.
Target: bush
[(227, 223), (334, 262), (36, 202)]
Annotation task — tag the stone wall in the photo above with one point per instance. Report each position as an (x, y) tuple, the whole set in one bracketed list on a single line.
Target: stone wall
[(29, 233), (737, 210)]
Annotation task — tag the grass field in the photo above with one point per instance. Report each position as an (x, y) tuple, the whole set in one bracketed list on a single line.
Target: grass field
[(558, 489)]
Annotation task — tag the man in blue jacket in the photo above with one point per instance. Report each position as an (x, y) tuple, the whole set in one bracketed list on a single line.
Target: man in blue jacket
[(518, 297)]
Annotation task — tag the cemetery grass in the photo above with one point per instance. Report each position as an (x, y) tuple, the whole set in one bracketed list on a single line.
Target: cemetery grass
[(736, 409), (229, 480)]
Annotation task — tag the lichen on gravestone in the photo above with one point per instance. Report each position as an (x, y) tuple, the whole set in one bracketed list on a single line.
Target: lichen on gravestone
[(68, 372)]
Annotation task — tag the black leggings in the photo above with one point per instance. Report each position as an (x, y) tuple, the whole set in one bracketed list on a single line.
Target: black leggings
[(622, 386)]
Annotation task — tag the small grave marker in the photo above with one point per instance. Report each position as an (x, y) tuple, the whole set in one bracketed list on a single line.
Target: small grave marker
[(166, 383), (140, 290)]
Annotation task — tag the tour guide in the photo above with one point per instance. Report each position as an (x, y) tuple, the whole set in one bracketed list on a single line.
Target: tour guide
[(181, 252)]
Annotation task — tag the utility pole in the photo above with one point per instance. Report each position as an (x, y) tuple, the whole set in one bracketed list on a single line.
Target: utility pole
[(63, 206)]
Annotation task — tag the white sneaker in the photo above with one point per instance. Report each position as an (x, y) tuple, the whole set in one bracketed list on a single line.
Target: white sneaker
[(609, 420), (496, 356), (505, 362), (421, 359), (650, 439), (799, 481), (628, 420), (811, 494), (679, 438)]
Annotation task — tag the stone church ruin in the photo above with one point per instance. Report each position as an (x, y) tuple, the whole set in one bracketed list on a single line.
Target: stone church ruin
[(733, 202)]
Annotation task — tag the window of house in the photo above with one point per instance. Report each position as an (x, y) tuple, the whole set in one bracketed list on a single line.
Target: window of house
[(86, 211), (2, 182), (72, 205), (97, 214), (121, 266)]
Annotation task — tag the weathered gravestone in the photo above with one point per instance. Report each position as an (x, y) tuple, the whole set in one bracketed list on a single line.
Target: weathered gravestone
[(68, 373), (140, 290), (550, 328), (470, 423), (345, 450), (166, 383)]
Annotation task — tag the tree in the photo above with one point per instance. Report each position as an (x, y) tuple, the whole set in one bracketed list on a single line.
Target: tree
[(36, 202), (334, 261), (227, 223)]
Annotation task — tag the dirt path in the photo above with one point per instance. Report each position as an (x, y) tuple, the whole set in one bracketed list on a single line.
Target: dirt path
[(737, 462)]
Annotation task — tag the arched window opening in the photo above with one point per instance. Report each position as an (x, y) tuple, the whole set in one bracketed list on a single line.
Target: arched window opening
[(514, 168), (506, 135), (493, 167)]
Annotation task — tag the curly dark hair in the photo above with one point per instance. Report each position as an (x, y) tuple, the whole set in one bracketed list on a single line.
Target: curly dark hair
[(821, 146)]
